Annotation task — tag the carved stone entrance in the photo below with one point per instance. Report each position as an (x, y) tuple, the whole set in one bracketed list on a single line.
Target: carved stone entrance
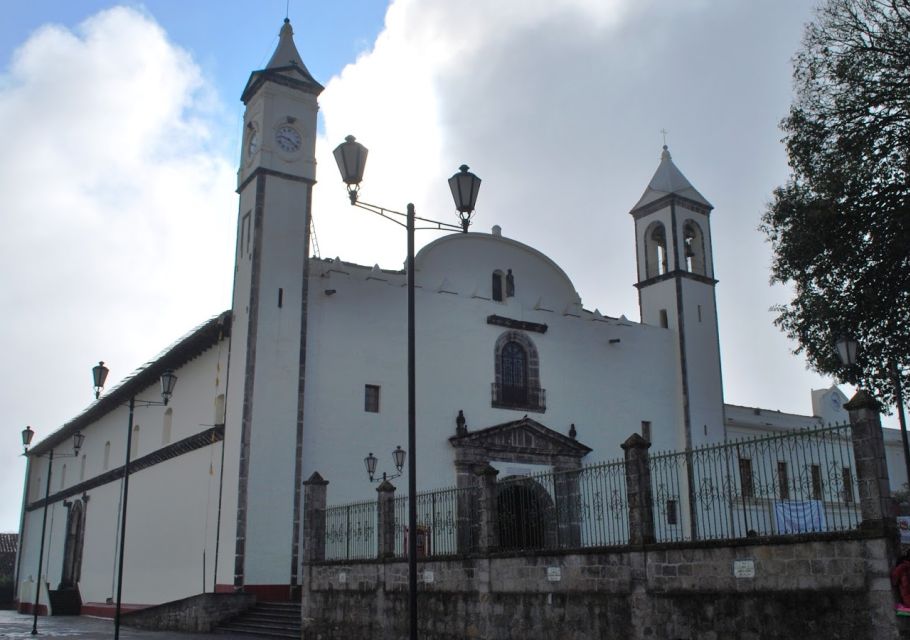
[(519, 512)]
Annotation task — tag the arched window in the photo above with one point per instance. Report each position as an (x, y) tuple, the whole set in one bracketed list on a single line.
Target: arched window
[(514, 374), (167, 426), (517, 373), (656, 257), (695, 248), (498, 285)]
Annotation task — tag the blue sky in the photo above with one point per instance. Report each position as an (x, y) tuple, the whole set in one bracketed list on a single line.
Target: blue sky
[(225, 36), (121, 144)]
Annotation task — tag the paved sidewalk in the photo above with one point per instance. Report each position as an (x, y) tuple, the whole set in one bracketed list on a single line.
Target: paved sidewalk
[(18, 625)]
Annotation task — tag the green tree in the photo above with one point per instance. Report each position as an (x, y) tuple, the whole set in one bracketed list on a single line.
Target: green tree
[(840, 226)]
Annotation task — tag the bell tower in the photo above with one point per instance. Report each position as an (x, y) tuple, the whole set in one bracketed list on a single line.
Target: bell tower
[(259, 535), (676, 291)]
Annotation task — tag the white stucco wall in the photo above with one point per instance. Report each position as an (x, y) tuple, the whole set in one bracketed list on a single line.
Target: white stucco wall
[(172, 505), (605, 389)]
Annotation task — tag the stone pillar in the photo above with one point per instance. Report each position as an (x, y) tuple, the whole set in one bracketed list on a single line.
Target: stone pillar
[(568, 503), (638, 490), (871, 467), (314, 493), (486, 510), (466, 516), (386, 518)]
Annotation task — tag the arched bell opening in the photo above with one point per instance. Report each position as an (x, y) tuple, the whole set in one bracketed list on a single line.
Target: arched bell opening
[(694, 241), (656, 257)]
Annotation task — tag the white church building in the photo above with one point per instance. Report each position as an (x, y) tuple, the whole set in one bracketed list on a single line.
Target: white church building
[(306, 373)]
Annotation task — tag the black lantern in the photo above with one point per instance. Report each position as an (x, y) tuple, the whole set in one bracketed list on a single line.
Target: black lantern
[(168, 382), (370, 463), (465, 186), (99, 374), (78, 439), (399, 454), (351, 157), (27, 435), (846, 350)]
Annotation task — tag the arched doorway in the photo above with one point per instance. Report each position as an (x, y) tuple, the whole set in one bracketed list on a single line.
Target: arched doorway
[(72, 553), (525, 514)]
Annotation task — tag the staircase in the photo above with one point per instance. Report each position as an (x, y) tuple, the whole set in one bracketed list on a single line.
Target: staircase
[(266, 620)]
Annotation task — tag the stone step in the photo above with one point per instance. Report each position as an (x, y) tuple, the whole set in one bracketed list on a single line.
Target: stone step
[(266, 620), (259, 631)]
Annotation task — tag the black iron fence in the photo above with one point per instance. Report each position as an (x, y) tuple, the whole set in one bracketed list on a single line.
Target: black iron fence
[(438, 521), (795, 482), (350, 531)]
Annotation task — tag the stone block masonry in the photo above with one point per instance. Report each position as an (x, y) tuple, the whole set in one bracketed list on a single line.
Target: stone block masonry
[(828, 587), (819, 586), (200, 613)]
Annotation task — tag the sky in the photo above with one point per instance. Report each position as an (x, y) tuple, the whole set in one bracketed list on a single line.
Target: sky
[(122, 135)]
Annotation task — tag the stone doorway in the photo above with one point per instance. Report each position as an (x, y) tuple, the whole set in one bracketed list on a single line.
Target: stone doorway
[(72, 552)]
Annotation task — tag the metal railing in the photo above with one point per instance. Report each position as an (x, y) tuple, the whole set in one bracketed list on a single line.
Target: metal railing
[(350, 531), (797, 482), (441, 515), (518, 397)]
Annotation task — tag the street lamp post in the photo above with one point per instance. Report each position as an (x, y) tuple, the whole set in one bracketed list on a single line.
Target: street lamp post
[(351, 157), (847, 347), (168, 382), (27, 435)]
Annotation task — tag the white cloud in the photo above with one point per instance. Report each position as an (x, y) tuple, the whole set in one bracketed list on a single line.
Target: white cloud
[(558, 106), (118, 213)]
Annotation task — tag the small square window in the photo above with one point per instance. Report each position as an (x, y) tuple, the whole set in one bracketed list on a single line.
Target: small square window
[(371, 398)]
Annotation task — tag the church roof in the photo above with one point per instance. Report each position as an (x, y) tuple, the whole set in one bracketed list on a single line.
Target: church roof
[(668, 179), (284, 67), (9, 542), (185, 349)]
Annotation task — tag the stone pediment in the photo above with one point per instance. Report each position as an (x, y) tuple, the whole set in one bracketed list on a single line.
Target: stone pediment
[(521, 437)]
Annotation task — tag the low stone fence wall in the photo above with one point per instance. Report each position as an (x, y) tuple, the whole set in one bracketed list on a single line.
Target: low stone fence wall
[(200, 613), (830, 587)]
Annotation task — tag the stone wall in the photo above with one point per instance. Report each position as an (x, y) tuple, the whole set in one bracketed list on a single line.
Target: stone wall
[(198, 613), (827, 588)]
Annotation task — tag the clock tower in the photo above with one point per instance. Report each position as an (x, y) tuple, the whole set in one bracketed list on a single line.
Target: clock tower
[(259, 540)]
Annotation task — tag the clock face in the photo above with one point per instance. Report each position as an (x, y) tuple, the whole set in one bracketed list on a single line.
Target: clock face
[(287, 138), (252, 142)]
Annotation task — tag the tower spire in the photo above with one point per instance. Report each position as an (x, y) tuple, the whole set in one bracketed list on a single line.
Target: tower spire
[(284, 67), (286, 53), (668, 179)]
